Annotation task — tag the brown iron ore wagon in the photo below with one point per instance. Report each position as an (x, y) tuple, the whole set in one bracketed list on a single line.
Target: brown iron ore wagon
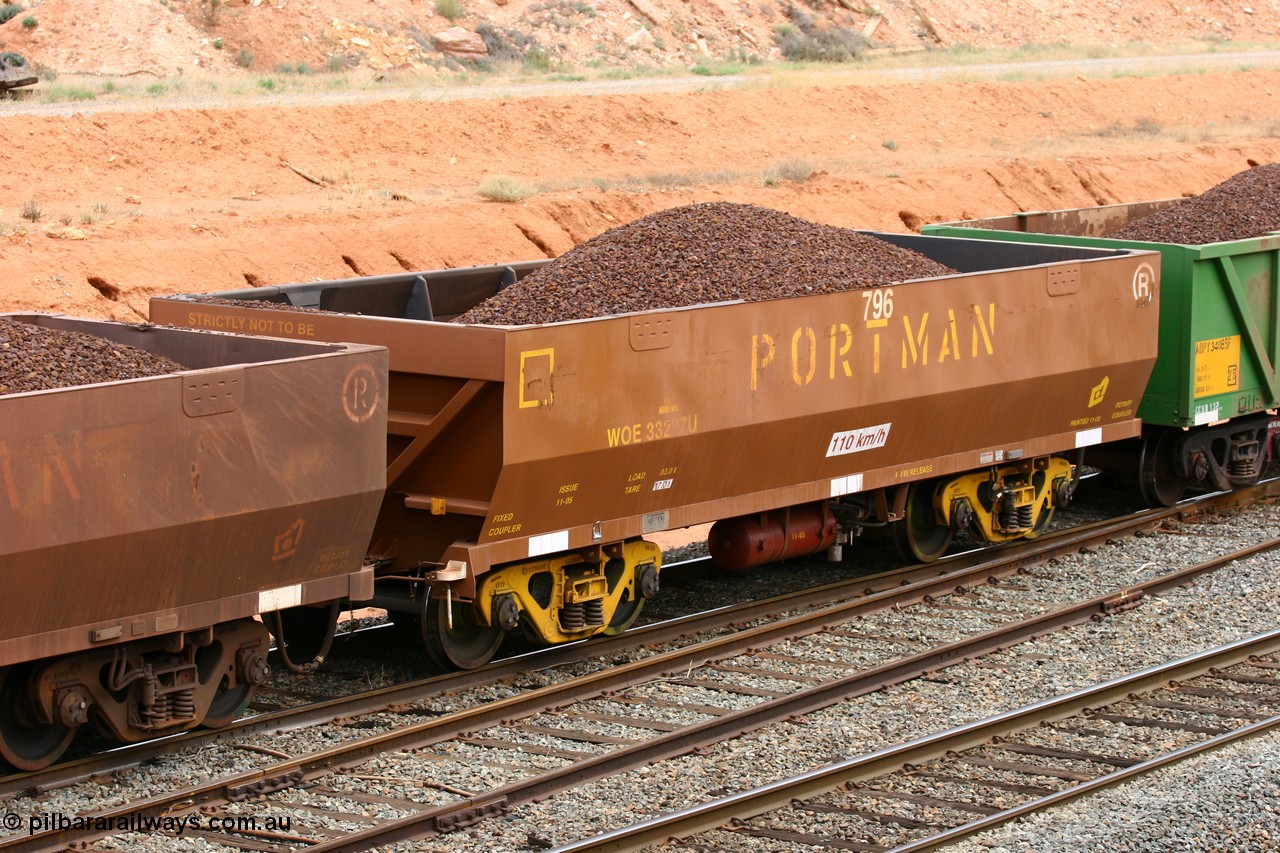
[(147, 522), (526, 463)]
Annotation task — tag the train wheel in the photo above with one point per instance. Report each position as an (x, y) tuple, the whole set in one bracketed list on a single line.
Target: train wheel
[(1157, 470), (228, 703), (24, 746), (304, 635), (625, 616), (919, 536), (462, 644), (1042, 523)]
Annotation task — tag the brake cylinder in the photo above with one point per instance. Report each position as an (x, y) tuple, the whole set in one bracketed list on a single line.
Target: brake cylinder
[(780, 534)]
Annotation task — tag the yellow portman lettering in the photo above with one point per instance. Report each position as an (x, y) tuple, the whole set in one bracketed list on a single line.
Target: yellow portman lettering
[(981, 331), (915, 471), (1079, 422), (836, 351)]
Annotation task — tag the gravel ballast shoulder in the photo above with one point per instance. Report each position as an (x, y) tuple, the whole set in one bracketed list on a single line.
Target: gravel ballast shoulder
[(1230, 604), (1225, 800)]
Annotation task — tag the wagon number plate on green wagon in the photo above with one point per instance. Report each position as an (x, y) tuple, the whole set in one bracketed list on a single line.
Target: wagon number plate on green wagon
[(1217, 366)]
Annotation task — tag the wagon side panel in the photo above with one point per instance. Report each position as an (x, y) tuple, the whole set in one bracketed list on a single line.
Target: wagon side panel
[(164, 504)]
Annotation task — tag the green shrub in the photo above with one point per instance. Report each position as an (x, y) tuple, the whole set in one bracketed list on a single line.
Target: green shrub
[(69, 93), (244, 58), (804, 40), (30, 22), (505, 188), (537, 59), (450, 9), (717, 69), (9, 11), (513, 45), (795, 169)]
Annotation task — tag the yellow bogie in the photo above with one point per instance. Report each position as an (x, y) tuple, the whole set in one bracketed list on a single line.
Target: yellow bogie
[(1006, 502), (564, 597)]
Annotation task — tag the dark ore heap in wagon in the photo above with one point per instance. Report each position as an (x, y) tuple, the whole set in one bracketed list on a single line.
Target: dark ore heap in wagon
[(1243, 206), (260, 303), (700, 253), (33, 358)]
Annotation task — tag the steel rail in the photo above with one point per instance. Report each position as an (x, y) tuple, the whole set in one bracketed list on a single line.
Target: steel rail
[(723, 812)]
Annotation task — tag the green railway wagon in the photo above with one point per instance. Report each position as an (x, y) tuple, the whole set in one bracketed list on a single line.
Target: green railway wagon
[(1206, 408)]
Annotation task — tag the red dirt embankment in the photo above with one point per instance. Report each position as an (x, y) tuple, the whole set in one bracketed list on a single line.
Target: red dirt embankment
[(138, 203)]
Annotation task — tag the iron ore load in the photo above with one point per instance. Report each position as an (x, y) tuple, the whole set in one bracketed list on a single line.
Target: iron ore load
[(794, 390), (1205, 410), (159, 489)]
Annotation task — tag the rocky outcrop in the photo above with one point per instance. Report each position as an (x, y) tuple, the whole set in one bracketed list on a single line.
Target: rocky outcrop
[(460, 44)]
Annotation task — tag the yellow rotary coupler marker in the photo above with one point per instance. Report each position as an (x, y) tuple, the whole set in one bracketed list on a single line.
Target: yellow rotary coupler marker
[(563, 598), (1005, 502)]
